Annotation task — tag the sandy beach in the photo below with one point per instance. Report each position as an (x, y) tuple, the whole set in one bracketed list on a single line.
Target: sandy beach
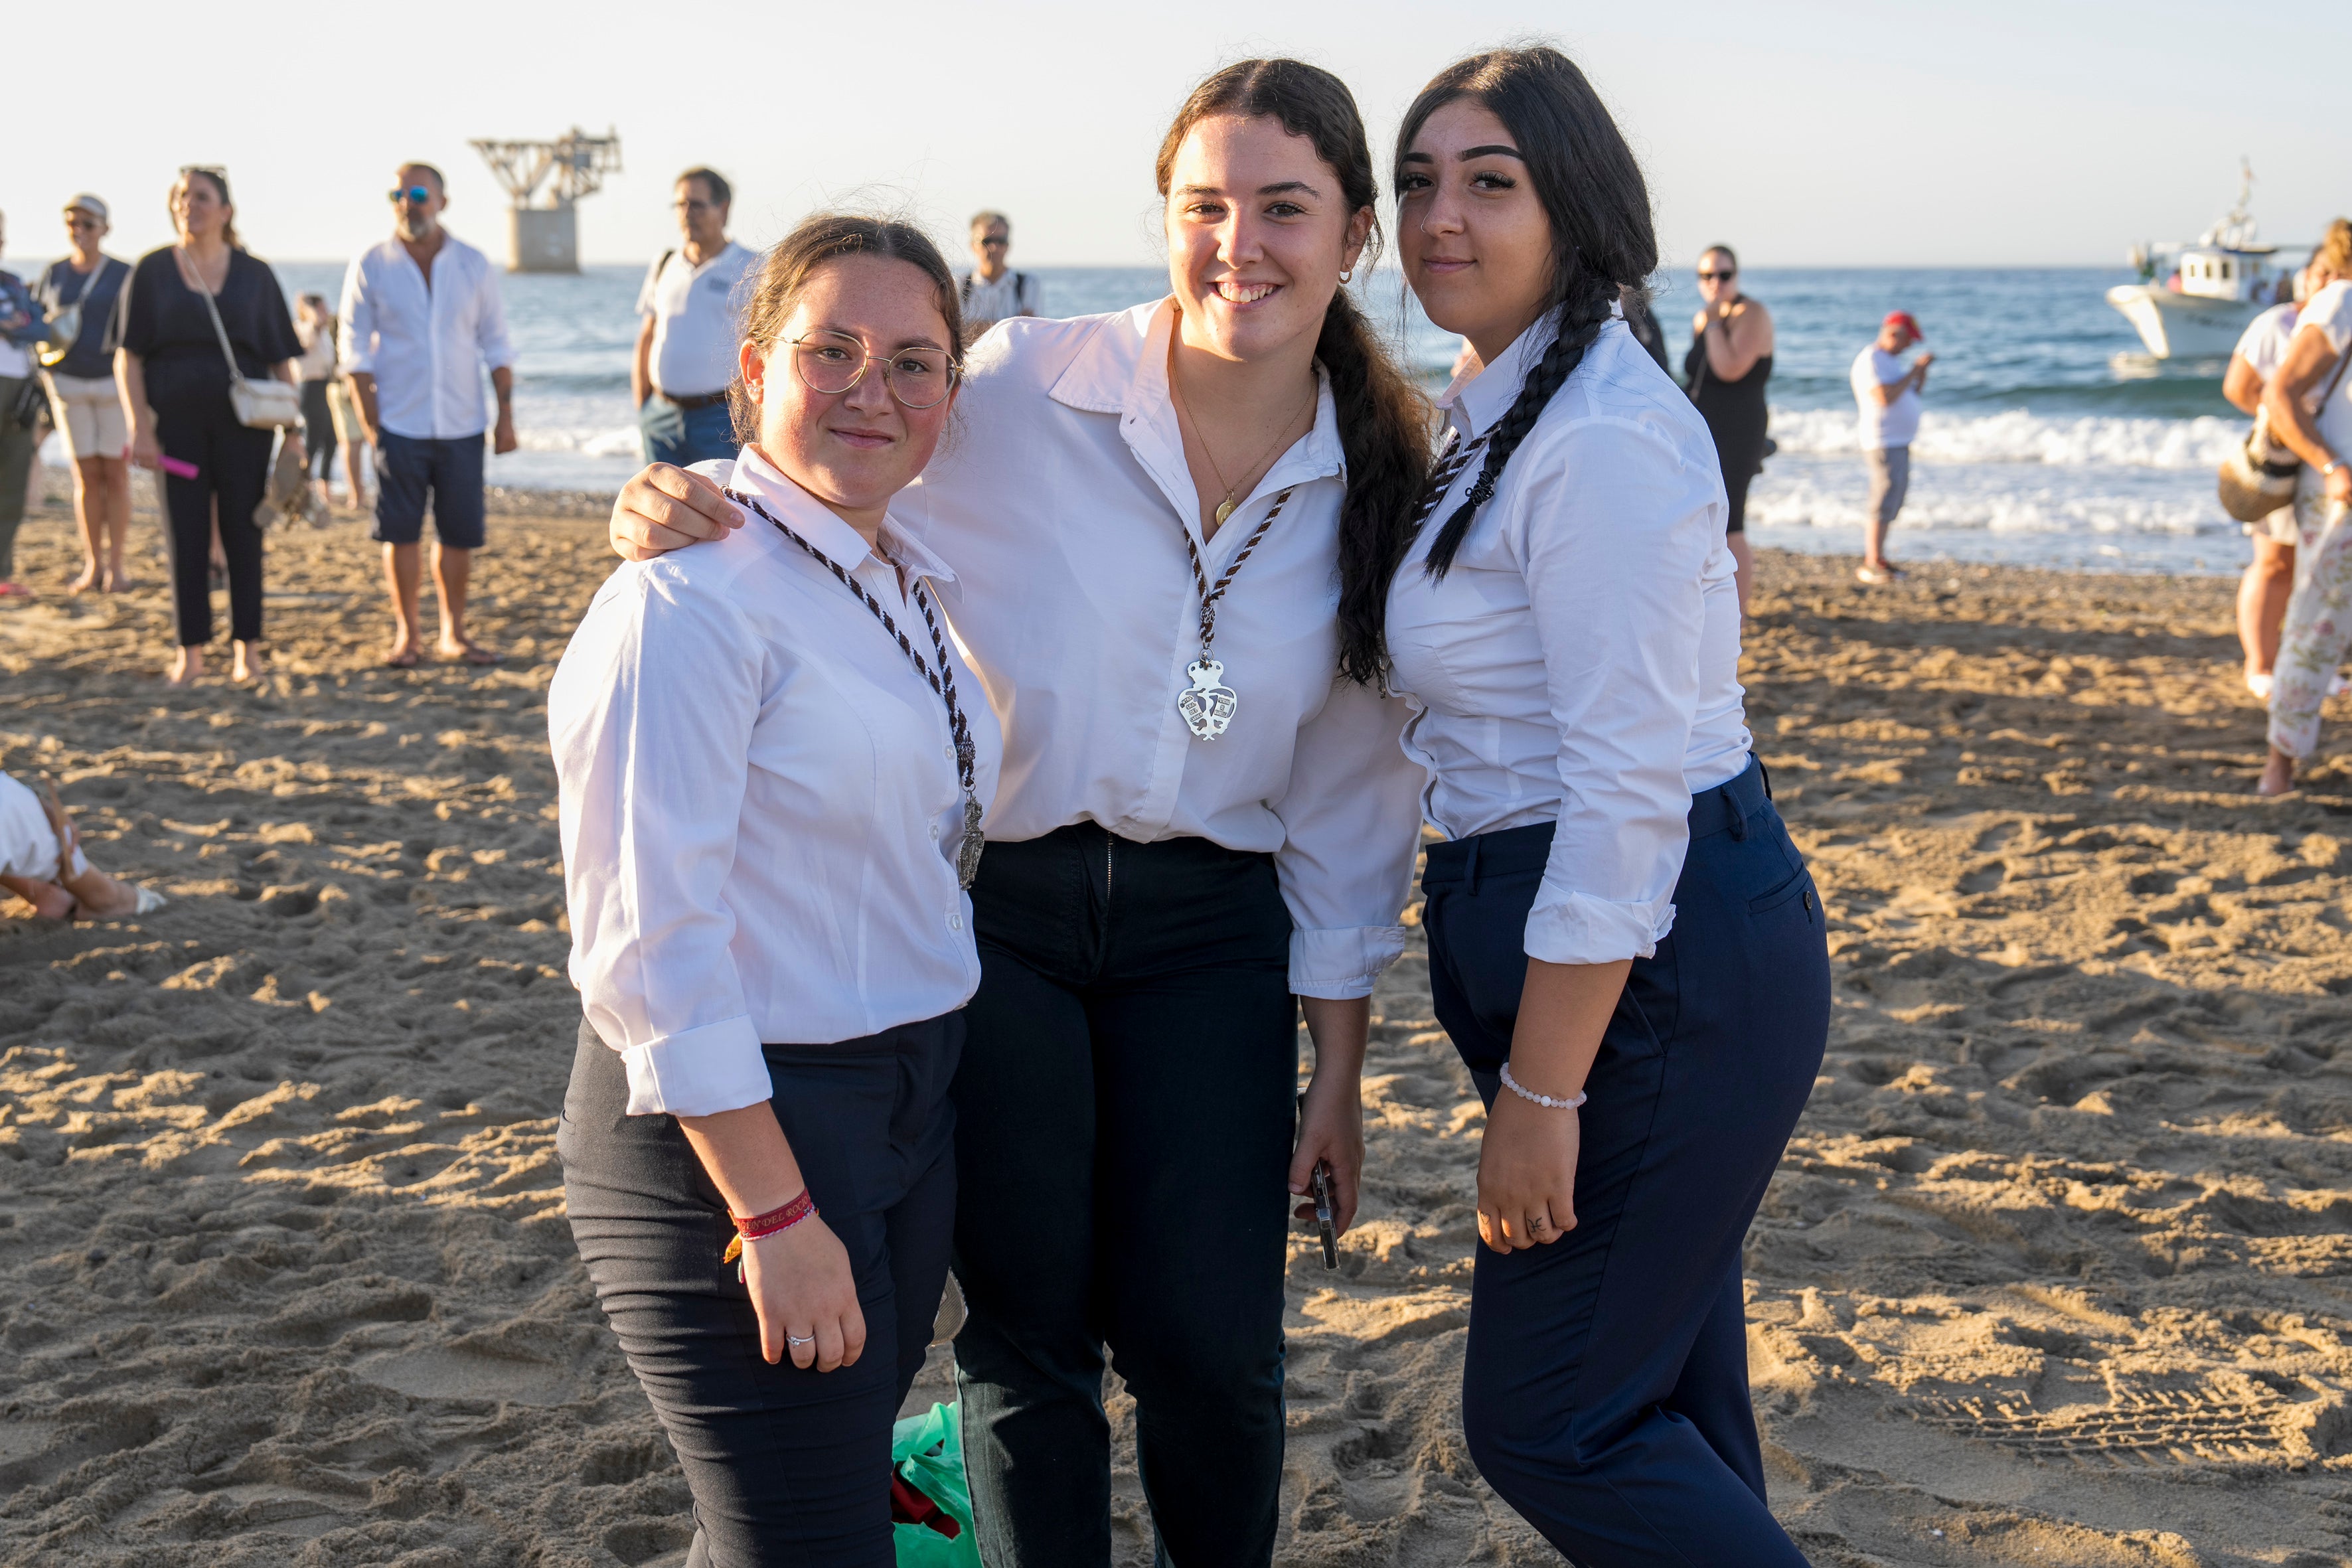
[(2056, 1270)]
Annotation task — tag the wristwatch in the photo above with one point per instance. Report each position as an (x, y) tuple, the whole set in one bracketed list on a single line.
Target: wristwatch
[(2329, 471)]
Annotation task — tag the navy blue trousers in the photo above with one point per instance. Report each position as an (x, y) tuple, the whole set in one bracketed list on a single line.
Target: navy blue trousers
[(788, 1467), (1124, 1121), (1605, 1391)]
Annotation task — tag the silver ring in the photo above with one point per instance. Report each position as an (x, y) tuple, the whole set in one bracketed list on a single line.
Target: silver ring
[(791, 1341)]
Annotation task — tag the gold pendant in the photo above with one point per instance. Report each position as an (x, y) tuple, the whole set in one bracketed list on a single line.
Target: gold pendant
[(1224, 510)]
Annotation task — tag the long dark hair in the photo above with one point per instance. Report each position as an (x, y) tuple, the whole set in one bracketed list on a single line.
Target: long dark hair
[(1591, 188), (1383, 418), (821, 238)]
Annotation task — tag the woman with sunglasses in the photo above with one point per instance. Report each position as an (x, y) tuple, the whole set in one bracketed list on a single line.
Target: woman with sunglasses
[(175, 381), (85, 399), (1623, 944), (1161, 520), (1726, 372), (773, 766)]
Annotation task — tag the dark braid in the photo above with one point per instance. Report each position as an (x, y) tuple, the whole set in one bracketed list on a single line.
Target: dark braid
[(1580, 322)]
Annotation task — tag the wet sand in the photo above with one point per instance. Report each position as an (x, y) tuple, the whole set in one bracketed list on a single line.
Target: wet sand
[(2054, 1272)]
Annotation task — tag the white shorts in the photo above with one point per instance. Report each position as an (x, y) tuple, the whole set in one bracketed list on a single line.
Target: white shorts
[(88, 410), (2279, 527)]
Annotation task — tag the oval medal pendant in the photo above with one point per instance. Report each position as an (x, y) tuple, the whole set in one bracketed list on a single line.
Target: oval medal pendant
[(1208, 705), (1224, 509)]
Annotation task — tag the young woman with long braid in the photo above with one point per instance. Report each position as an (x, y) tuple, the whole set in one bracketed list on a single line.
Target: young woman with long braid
[(1624, 945), (1158, 522)]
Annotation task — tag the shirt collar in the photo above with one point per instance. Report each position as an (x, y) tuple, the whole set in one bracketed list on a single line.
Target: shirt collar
[(1122, 368), (1474, 405), (814, 521)]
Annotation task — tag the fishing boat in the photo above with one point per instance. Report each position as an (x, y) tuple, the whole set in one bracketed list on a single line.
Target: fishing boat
[(2193, 301)]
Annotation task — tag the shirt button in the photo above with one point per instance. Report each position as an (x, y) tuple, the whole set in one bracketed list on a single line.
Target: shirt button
[(955, 922), (935, 833), (947, 751)]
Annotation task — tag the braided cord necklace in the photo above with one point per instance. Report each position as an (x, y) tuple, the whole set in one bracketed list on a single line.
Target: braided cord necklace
[(941, 680), (1208, 704), (1450, 464)]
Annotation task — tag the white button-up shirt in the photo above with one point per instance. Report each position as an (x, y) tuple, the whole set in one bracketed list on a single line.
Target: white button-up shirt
[(1063, 501), (760, 809), (426, 345), (1580, 663)]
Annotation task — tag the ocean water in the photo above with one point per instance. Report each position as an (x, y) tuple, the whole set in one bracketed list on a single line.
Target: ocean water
[(2050, 437)]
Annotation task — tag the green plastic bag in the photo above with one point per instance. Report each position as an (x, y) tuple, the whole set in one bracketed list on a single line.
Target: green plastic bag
[(926, 1456)]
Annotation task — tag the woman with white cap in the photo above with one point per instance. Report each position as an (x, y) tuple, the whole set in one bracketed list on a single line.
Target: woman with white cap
[(85, 291)]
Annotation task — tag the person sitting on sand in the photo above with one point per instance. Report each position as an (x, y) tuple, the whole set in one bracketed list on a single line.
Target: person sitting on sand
[(421, 319), (1887, 394), (2310, 404), (773, 766), (41, 862)]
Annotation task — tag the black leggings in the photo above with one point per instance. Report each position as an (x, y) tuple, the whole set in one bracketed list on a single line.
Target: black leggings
[(1124, 1129), (232, 468), (786, 1466)]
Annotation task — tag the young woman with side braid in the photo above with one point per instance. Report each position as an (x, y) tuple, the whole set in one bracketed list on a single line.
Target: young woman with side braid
[(1617, 920), (1159, 520)]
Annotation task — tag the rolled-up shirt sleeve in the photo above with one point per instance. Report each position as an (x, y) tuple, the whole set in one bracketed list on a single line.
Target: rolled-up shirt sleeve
[(650, 717), (1352, 828), (1614, 534), (356, 339), (490, 323)]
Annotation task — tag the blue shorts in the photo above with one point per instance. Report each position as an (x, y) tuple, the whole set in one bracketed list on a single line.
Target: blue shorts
[(408, 466)]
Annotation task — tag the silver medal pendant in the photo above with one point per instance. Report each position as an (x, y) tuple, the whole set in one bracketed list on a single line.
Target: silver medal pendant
[(968, 851), (1208, 704)]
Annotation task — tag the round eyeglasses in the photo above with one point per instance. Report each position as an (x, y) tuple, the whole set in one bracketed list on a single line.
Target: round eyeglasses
[(833, 363)]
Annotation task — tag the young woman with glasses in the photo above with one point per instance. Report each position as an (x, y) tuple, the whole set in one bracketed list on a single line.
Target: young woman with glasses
[(774, 765), (1725, 372), (1624, 945), (1163, 523)]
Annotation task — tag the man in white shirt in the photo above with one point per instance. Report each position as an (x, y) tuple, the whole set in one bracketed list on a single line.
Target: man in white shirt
[(686, 350), (1887, 393), (992, 291), (422, 318)]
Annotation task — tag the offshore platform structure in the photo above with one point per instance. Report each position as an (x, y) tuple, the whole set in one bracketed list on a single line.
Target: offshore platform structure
[(546, 238)]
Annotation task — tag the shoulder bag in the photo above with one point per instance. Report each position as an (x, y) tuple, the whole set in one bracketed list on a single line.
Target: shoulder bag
[(266, 404), (2258, 477), (65, 321)]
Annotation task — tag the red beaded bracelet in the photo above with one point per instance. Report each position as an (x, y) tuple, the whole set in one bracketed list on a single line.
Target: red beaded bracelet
[(755, 1227)]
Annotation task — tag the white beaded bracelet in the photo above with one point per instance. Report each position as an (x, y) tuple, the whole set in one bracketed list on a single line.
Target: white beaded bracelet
[(1548, 1102)]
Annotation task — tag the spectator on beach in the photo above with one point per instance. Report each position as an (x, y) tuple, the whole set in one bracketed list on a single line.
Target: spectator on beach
[(422, 319), (176, 382), (2310, 406), (314, 327), (992, 291), (2269, 578), (686, 350), (85, 399), (1730, 361), (41, 861), (352, 439), (21, 326), (1887, 393)]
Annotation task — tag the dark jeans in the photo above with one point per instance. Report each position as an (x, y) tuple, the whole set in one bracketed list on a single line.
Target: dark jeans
[(232, 470), (1604, 1393), (787, 1467), (317, 430), (683, 436), (17, 453), (1124, 1122)]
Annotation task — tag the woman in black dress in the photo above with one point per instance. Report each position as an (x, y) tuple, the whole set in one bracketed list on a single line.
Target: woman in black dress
[(175, 380), (1730, 360)]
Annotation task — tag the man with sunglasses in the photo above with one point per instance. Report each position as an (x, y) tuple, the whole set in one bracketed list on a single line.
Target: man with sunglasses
[(422, 319), (992, 291), (685, 349)]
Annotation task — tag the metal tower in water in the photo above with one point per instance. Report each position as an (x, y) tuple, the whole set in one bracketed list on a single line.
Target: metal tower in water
[(546, 238)]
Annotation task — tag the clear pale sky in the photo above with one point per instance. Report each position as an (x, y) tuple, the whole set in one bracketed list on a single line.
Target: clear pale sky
[(1805, 133)]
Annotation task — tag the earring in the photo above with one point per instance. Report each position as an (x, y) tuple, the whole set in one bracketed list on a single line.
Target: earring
[(1348, 274)]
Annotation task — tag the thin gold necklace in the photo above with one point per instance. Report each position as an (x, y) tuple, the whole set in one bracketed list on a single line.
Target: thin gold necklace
[(1185, 416)]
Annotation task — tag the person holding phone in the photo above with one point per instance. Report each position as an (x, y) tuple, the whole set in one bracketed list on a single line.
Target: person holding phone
[(774, 765), (1624, 944)]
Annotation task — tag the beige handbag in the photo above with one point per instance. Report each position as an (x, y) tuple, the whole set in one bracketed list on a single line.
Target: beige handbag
[(2258, 477), (266, 404)]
